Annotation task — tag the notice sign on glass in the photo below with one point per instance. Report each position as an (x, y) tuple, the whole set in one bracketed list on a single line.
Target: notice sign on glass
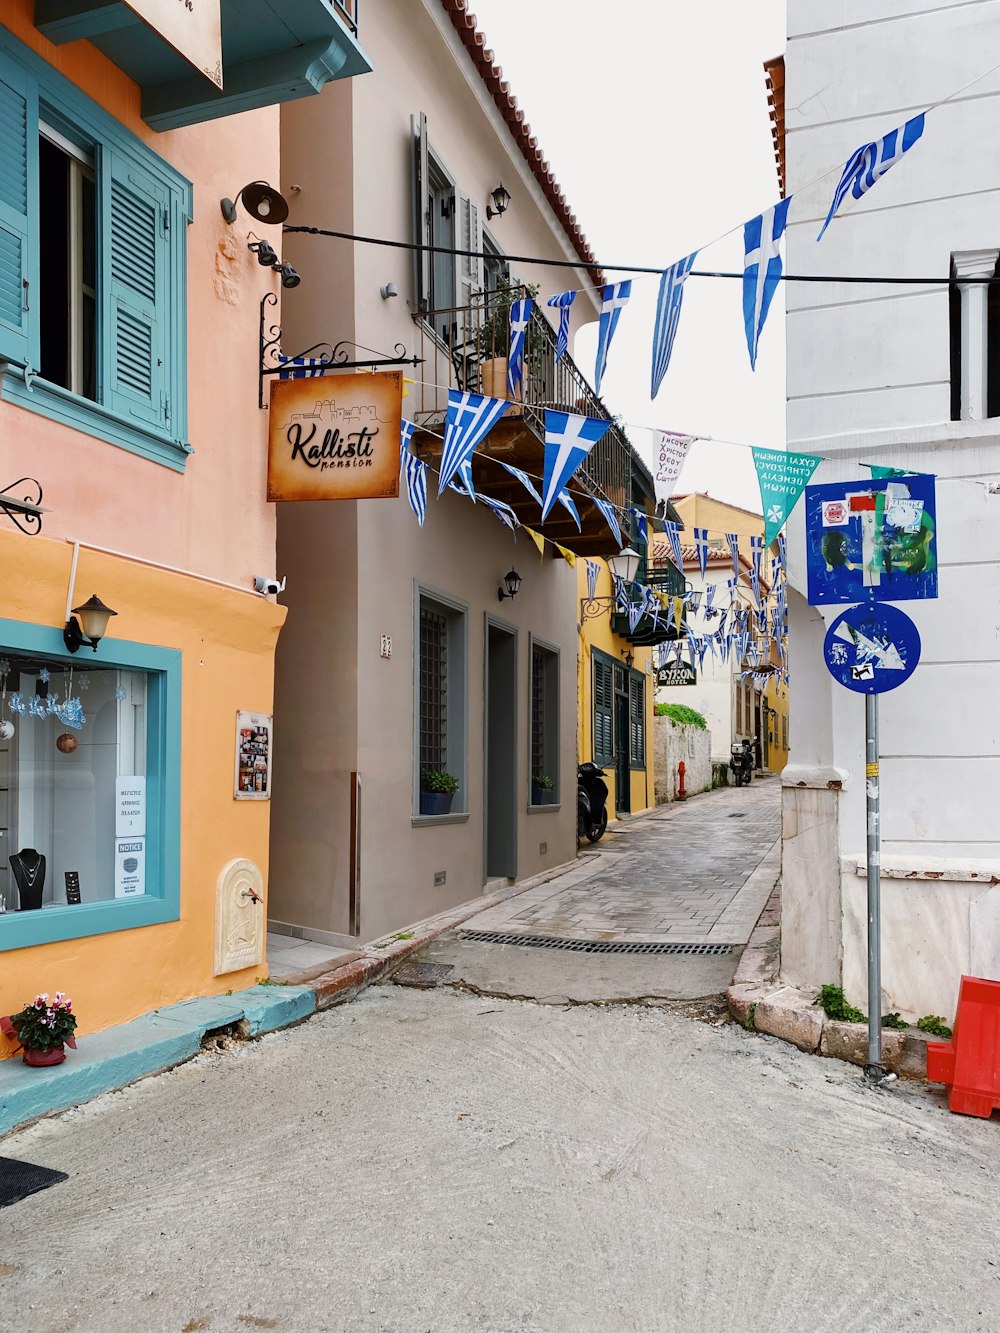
[(130, 867), (335, 438), (253, 757), (192, 27), (130, 807)]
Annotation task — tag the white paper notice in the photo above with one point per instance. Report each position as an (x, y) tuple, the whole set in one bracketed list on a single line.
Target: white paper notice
[(130, 807), (130, 867)]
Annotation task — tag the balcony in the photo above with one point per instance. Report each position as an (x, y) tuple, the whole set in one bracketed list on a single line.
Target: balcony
[(465, 347), (662, 577), (239, 54)]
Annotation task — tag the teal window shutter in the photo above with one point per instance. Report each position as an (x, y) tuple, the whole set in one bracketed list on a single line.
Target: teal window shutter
[(18, 209), (604, 698), (136, 318)]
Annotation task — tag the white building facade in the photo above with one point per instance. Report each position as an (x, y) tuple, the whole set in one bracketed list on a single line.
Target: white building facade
[(905, 377)]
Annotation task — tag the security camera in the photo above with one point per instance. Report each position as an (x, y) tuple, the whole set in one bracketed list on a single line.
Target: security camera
[(268, 587)]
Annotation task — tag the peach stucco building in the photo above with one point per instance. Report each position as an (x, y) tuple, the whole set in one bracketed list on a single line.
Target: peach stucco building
[(131, 876)]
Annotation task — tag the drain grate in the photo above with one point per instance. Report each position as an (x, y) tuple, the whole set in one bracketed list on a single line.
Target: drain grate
[(700, 950), (19, 1179), (740, 814), (422, 976)]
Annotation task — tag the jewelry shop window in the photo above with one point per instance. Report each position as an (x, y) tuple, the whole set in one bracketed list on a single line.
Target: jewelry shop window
[(87, 795)]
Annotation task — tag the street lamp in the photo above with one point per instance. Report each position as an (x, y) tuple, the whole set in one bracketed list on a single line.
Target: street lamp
[(91, 627), (625, 565)]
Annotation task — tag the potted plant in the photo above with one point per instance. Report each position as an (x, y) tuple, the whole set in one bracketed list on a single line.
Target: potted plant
[(543, 791), (437, 791), (43, 1029), (493, 339)]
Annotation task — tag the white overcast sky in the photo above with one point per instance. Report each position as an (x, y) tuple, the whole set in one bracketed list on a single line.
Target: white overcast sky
[(654, 118)]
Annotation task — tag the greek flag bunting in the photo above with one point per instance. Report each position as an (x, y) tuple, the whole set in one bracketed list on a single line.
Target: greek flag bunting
[(503, 512), (406, 429), (520, 313), (635, 610), (871, 161), (614, 300), (562, 302), (734, 550), (465, 477), (709, 599), (641, 525), (668, 314), (761, 270), (593, 569), (301, 367), (523, 478), (674, 538), (610, 517), (568, 441), (701, 546), (620, 595), (469, 419), (566, 500)]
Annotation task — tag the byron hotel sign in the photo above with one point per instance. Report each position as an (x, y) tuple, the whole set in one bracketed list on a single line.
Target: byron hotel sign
[(335, 438)]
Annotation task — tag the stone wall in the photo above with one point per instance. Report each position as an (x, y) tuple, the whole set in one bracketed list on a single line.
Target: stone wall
[(673, 742)]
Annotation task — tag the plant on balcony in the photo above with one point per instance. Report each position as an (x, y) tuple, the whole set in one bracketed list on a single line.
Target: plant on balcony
[(437, 791), (493, 338), (44, 1028)]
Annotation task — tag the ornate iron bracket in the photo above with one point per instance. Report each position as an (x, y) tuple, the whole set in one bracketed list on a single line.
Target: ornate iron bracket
[(320, 358), (24, 509)]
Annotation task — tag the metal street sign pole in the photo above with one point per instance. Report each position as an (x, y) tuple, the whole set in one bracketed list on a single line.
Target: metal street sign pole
[(874, 1071)]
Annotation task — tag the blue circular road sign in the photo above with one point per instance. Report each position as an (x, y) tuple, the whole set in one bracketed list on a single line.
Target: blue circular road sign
[(872, 648)]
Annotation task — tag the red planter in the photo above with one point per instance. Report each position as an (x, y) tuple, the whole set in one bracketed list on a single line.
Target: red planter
[(55, 1055)]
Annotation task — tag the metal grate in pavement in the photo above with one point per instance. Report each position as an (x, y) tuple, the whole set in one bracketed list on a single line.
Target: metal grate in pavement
[(700, 950), (422, 976)]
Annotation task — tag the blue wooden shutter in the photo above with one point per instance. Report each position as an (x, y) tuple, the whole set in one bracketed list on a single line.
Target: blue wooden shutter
[(603, 711), (18, 211), (136, 219)]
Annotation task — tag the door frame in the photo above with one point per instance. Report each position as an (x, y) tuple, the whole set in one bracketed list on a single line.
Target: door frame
[(491, 621), (623, 757)]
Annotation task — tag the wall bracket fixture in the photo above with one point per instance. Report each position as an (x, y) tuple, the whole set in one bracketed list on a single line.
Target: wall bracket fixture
[(21, 502), (319, 358)]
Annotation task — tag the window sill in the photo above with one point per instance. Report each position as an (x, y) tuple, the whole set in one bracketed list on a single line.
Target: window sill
[(457, 817), (49, 925), (544, 809), (69, 409)]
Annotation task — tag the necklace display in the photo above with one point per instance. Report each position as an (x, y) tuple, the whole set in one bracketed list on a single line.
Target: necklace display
[(28, 866)]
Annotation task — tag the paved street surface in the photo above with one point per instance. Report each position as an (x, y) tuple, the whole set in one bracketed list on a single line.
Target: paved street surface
[(435, 1161)]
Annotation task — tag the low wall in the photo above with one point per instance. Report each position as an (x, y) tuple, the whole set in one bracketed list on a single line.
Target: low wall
[(673, 742)]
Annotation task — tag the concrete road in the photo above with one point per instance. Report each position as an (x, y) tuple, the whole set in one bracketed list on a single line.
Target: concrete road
[(436, 1161)]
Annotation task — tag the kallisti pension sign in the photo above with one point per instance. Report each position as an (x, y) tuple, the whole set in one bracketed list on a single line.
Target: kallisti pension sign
[(336, 438), (192, 27)]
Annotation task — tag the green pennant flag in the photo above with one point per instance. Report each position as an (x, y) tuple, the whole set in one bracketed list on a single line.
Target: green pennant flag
[(782, 478), (879, 473)]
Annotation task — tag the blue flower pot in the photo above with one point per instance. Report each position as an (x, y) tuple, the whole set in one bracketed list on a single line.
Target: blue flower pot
[(436, 802)]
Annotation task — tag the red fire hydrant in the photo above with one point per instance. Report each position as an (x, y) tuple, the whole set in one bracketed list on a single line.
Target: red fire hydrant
[(681, 793)]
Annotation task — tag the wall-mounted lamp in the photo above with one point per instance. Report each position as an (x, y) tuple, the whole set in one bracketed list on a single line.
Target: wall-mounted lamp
[(501, 202), (628, 657), (512, 585), (625, 565), (266, 255), (290, 277), (261, 201), (91, 626), (388, 291)]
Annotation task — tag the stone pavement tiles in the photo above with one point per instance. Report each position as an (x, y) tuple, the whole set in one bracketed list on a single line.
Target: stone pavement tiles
[(684, 874)]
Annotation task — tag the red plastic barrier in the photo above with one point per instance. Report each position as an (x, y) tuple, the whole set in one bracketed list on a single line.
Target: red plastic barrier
[(969, 1064)]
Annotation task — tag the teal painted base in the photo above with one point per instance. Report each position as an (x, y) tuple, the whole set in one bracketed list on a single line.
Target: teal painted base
[(147, 1045)]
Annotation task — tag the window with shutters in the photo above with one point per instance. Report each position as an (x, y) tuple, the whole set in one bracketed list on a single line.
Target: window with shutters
[(604, 705), (544, 753), (94, 336), (637, 720), (440, 693)]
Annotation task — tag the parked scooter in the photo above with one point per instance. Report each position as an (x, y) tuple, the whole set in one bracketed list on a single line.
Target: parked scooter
[(741, 762), (591, 802)]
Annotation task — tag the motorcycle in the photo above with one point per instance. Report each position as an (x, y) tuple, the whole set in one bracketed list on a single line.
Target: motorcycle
[(591, 802), (741, 762)]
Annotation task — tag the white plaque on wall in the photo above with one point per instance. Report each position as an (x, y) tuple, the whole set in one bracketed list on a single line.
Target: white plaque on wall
[(192, 27), (130, 807), (130, 867)]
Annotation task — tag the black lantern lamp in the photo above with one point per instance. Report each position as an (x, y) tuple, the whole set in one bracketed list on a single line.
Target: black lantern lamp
[(512, 585), (91, 626), (289, 276), (265, 252), (261, 201), (501, 202)]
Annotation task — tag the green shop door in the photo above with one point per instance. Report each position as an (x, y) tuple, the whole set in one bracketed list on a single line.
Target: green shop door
[(623, 796)]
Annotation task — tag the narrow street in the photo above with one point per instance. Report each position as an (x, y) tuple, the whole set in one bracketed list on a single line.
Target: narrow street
[(438, 1160)]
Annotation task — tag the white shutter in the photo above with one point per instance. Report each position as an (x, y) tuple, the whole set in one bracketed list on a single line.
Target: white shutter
[(421, 220), (468, 267)]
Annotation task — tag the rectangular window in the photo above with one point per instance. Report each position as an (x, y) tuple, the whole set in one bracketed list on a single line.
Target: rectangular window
[(544, 724), (604, 705), (637, 720), (92, 265), (440, 693), (89, 788), (784, 731)]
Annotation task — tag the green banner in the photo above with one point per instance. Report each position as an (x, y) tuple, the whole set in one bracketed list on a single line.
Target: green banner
[(782, 478)]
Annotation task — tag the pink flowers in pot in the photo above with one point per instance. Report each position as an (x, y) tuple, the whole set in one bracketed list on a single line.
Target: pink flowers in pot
[(43, 1027)]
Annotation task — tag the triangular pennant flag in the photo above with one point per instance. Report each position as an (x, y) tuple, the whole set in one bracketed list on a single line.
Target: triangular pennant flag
[(503, 512), (523, 478), (562, 302), (406, 429), (756, 555), (782, 478), (566, 500), (734, 550), (520, 314), (674, 538), (669, 450), (635, 610), (465, 477), (701, 546), (610, 517), (761, 270), (593, 569), (620, 594), (567, 555), (538, 539), (668, 314), (641, 525), (415, 473), (709, 599), (568, 441), (469, 419), (880, 473), (678, 613), (871, 161), (614, 298)]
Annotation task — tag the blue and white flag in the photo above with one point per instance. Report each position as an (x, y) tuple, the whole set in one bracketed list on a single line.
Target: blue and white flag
[(568, 441), (610, 517), (562, 302), (465, 477), (469, 420), (641, 525), (415, 472), (302, 367), (520, 313), (709, 600), (761, 270), (523, 478), (406, 429), (674, 538), (701, 546), (503, 512), (757, 553), (566, 500), (872, 160), (593, 569), (734, 550), (614, 300), (620, 593), (635, 610), (668, 314)]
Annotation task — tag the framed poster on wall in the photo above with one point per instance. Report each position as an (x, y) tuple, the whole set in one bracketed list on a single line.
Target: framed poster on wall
[(253, 756)]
